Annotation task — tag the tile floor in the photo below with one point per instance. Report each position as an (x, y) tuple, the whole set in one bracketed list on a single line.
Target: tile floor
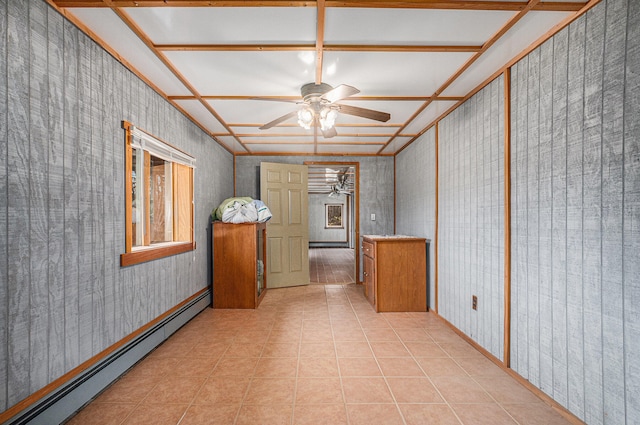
[(316, 355), (331, 265)]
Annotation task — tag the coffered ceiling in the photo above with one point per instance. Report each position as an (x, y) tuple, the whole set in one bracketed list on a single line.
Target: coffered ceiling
[(414, 59)]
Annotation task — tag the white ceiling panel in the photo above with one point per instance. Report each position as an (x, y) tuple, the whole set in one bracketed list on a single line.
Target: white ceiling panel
[(233, 52), (231, 143), (244, 73), (220, 25), (202, 115), (282, 148), (392, 73), (396, 145), (426, 117), (419, 27), (518, 38), (353, 149), (252, 111), (117, 35)]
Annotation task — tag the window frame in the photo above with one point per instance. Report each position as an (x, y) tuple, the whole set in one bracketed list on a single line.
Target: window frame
[(148, 252)]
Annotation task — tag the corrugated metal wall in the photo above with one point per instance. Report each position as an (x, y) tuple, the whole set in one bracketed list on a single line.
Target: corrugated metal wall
[(416, 196), (470, 217), (575, 193), (575, 209), (64, 296)]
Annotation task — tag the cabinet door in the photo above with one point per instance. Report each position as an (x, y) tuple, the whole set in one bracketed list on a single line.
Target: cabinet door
[(369, 279)]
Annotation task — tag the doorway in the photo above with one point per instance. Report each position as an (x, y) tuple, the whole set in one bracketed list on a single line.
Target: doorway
[(333, 222)]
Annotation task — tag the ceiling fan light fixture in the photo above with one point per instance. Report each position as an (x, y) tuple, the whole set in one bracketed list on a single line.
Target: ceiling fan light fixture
[(327, 118), (305, 118)]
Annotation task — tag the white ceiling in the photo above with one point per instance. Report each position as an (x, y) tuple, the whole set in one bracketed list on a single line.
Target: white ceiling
[(414, 62)]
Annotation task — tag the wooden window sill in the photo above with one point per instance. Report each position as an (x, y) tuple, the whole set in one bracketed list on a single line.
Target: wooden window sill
[(149, 254)]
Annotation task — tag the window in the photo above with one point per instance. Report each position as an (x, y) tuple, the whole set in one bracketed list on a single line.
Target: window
[(159, 198)]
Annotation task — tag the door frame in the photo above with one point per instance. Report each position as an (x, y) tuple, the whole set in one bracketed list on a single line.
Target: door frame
[(356, 194)]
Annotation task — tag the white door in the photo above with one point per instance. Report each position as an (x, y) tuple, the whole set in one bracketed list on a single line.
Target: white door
[(283, 188)]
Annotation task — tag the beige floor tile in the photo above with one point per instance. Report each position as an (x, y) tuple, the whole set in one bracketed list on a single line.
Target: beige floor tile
[(460, 349), (317, 349), (317, 367), (103, 414), (222, 390), (537, 413), (425, 349), (235, 366), (399, 366), (156, 414), (440, 366), (318, 390), (211, 414), (353, 349), (413, 334), (352, 334), (431, 414), (195, 366), (272, 414), (413, 390), (460, 389), (281, 349), (381, 334), (373, 414), (129, 389), (389, 349), (271, 391), (314, 414), (175, 390), (244, 349), (482, 414), (359, 366), (480, 366), (506, 389), (366, 390), (277, 367)]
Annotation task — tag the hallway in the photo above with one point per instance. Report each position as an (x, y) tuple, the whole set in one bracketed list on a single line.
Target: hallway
[(331, 265), (312, 355)]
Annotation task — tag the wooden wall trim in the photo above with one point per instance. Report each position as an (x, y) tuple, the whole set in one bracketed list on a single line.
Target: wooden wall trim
[(435, 243), (48, 389), (507, 218)]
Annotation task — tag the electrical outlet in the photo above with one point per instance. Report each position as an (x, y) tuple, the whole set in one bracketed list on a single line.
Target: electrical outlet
[(373, 217), (474, 302)]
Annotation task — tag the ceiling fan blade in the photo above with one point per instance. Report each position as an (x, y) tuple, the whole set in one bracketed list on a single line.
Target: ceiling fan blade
[(364, 113), (341, 92), (279, 120), (327, 134)]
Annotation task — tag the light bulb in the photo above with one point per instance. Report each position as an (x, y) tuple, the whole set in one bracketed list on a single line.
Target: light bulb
[(305, 118), (327, 118)]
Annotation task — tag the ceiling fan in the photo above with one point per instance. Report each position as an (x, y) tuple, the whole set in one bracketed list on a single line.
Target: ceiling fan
[(341, 187), (321, 108)]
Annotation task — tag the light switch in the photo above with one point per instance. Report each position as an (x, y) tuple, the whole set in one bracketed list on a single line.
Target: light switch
[(373, 217)]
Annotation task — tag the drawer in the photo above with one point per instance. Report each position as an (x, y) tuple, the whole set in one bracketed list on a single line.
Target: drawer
[(367, 249)]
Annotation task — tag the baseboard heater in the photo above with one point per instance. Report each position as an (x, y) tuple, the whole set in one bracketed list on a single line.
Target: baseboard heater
[(61, 404)]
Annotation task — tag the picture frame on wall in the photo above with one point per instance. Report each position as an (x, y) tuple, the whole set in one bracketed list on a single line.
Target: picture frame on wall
[(333, 216)]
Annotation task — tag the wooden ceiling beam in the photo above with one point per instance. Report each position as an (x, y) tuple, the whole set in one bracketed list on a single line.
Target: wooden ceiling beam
[(565, 6), (405, 48), (296, 98)]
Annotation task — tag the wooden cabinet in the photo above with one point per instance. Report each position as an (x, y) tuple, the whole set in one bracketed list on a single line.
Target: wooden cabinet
[(395, 272), (239, 269)]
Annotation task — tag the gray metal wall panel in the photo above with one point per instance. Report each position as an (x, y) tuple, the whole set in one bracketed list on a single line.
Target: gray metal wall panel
[(55, 194), (470, 217), (631, 214), (415, 195), (4, 202), (63, 178), (18, 305), (577, 212)]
